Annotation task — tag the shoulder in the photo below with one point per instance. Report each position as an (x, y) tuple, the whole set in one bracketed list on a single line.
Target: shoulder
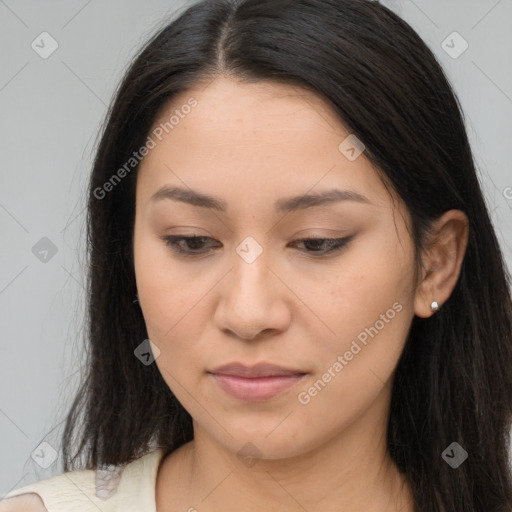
[(90, 490), (52, 494), (28, 502), (61, 484)]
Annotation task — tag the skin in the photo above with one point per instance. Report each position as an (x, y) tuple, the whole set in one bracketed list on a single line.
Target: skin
[(251, 144)]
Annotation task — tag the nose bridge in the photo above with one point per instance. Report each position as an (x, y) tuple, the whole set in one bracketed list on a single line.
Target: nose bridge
[(251, 300), (251, 275)]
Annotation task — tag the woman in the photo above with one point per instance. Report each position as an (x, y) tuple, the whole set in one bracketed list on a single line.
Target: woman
[(297, 297)]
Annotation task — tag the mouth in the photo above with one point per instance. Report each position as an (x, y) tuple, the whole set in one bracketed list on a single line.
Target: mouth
[(256, 383)]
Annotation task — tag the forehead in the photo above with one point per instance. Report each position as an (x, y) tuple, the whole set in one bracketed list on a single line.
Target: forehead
[(228, 98), (254, 140)]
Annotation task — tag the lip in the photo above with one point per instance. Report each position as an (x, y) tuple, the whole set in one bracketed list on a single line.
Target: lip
[(256, 383), (255, 389), (262, 369)]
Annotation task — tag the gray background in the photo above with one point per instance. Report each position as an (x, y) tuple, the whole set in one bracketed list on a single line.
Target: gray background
[(51, 112)]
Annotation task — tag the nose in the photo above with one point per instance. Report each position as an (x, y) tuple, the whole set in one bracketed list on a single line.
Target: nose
[(254, 301)]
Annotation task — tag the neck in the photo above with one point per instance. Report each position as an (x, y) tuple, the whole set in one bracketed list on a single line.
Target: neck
[(350, 471)]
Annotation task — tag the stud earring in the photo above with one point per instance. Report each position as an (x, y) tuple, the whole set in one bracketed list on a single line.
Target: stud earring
[(434, 306)]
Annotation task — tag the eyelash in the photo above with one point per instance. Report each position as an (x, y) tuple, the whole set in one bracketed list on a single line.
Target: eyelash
[(336, 244)]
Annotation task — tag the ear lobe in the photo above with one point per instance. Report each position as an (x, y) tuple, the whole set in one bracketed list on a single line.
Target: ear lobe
[(443, 261)]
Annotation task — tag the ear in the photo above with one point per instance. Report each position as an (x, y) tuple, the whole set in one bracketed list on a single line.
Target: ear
[(442, 261)]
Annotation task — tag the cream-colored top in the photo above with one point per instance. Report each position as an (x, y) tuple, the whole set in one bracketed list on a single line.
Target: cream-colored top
[(128, 488)]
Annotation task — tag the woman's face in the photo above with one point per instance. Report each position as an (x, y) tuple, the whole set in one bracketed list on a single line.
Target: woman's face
[(252, 290)]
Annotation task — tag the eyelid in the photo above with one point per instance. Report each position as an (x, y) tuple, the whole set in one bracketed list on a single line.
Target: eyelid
[(337, 244)]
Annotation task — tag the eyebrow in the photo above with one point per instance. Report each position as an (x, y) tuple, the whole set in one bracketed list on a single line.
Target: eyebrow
[(283, 205)]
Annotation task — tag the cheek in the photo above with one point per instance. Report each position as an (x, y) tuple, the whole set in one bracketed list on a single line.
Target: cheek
[(353, 366), (365, 284), (170, 300), (161, 287), (151, 284), (366, 314)]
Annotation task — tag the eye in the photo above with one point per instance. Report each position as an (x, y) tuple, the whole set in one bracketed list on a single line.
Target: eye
[(333, 244), (194, 244)]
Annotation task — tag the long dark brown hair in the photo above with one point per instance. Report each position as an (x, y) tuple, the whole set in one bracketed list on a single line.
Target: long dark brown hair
[(453, 382)]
